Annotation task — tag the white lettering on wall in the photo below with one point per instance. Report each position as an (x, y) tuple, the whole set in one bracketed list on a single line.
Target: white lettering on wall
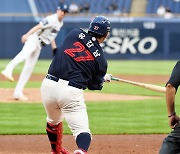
[(123, 45), (152, 47), (128, 40)]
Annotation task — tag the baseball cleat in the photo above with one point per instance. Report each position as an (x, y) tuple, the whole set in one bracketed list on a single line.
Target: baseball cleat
[(53, 152), (79, 152), (7, 75), (63, 151), (21, 98)]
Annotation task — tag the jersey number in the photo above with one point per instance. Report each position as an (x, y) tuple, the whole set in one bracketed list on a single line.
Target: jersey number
[(79, 48)]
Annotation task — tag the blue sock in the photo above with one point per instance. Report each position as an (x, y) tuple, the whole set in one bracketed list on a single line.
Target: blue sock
[(83, 141)]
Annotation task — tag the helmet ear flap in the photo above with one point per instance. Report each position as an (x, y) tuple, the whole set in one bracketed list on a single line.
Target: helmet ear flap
[(99, 25)]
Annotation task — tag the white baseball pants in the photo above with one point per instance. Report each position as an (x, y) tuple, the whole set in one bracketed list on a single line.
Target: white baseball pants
[(63, 101), (30, 54)]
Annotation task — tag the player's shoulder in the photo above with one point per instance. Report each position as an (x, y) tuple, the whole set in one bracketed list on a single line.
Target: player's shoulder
[(45, 20), (77, 32), (52, 18), (54, 15), (82, 34)]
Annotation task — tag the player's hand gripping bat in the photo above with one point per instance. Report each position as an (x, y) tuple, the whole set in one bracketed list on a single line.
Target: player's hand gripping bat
[(143, 85)]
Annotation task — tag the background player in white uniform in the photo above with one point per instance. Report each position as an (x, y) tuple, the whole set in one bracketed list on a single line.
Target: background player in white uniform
[(40, 35)]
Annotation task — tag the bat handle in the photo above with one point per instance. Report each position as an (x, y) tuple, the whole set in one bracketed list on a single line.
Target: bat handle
[(114, 78)]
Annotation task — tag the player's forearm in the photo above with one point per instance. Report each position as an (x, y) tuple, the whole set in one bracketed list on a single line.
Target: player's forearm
[(34, 29), (53, 45), (31, 31), (170, 99)]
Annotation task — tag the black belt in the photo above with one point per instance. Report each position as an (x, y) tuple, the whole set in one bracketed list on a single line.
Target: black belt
[(43, 44), (51, 77)]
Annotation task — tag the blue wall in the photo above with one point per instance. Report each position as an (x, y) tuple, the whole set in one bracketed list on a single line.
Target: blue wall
[(148, 38)]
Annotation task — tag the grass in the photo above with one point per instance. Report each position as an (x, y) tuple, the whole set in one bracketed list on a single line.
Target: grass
[(22, 118), (119, 117), (40, 68), (140, 67), (128, 117), (115, 67), (30, 84)]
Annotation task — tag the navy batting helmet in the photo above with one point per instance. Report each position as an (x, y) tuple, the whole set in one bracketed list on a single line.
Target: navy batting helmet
[(63, 7), (100, 25)]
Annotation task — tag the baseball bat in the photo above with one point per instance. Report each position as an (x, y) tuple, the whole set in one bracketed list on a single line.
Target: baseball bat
[(143, 85)]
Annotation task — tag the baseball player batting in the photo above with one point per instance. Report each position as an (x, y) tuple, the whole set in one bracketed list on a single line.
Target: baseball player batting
[(78, 64), (40, 35)]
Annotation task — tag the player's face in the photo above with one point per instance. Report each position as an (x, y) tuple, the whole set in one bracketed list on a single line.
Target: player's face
[(61, 14)]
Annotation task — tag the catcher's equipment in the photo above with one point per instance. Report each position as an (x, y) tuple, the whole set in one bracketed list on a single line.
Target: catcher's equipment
[(100, 25)]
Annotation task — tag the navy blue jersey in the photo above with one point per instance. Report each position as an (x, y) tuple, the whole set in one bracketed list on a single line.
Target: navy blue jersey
[(80, 60), (174, 79)]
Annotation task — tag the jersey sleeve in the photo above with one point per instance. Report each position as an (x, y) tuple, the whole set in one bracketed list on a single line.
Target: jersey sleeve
[(174, 79), (98, 79), (96, 84)]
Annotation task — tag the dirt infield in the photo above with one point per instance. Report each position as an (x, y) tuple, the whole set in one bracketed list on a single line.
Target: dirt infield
[(33, 95), (101, 144)]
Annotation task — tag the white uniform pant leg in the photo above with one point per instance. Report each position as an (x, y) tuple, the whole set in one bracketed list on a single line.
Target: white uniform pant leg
[(50, 102), (63, 101), (29, 47), (77, 119), (27, 71)]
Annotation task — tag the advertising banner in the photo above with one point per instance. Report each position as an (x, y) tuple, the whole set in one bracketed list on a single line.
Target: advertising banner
[(149, 38)]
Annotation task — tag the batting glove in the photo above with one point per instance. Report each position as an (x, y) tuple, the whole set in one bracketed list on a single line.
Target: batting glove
[(107, 78)]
